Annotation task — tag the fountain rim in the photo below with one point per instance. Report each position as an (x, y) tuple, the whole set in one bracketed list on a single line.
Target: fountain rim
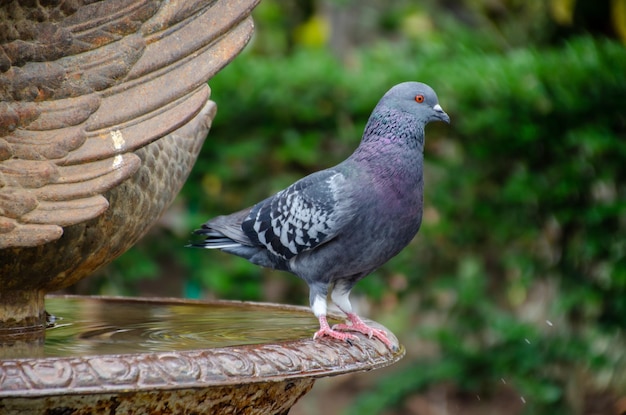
[(191, 369)]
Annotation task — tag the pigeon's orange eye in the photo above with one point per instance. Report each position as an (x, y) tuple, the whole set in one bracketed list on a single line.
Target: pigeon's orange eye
[(419, 98)]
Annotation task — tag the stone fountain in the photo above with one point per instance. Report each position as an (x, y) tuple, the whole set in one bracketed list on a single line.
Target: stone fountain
[(104, 107)]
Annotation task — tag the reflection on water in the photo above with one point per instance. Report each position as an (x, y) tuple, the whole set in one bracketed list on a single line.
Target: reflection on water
[(113, 326)]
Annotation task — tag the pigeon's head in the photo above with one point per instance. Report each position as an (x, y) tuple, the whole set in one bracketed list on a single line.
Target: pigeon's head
[(416, 99)]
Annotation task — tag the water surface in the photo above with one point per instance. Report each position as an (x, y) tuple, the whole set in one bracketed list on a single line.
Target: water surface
[(94, 326)]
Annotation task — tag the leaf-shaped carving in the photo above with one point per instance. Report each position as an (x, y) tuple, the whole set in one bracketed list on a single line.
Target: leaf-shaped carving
[(86, 84)]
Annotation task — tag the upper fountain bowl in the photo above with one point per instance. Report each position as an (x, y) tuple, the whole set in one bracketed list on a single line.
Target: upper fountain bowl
[(104, 107)]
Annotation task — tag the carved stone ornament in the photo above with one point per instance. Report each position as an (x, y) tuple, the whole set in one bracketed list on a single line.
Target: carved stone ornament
[(104, 107)]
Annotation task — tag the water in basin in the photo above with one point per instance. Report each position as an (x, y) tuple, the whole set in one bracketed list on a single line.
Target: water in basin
[(95, 326)]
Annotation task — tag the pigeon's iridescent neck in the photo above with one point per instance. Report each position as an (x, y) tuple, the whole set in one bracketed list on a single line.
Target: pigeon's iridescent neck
[(393, 127), (391, 137)]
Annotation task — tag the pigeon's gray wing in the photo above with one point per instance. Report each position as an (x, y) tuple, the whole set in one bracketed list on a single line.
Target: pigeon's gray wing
[(305, 215)]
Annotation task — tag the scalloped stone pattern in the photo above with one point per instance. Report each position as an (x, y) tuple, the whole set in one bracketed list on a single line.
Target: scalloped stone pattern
[(212, 367)]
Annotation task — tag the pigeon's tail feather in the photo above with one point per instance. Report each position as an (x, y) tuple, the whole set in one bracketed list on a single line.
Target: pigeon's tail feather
[(225, 233), (217, 243), (214, 239)]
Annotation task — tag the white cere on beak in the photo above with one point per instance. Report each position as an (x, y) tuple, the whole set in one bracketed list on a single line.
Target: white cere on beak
[(437, 107)]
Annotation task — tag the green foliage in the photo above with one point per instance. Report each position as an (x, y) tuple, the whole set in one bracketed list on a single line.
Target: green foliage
[(522, 254)]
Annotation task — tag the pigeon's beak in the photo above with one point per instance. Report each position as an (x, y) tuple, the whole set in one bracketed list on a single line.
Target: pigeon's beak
[(441, 115)]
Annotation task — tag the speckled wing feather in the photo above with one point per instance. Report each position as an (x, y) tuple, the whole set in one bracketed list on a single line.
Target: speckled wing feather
[(305, 215)]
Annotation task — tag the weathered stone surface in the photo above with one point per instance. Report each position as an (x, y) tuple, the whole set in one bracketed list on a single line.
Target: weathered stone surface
[(268, 398)]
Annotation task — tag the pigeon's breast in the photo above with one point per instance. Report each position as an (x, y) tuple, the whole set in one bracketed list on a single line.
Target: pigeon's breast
[(386, 216), (394, 200)]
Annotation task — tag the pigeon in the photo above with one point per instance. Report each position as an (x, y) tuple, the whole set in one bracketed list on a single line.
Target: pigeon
[(334, 227)]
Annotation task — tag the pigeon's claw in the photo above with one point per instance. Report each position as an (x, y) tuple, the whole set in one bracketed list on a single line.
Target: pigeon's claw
[(335, 335), (325, 330), (357, 325), (364, 329)]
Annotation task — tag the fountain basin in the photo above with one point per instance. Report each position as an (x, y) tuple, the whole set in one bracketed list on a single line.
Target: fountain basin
[(137, 355)]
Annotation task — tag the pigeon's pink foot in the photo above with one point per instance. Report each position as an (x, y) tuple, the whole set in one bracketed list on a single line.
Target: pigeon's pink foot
[(359, 326), (325, 330)]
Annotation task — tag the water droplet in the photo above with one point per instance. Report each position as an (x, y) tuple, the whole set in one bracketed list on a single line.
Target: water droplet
[(549, 323), (527, 341), (523, 400)]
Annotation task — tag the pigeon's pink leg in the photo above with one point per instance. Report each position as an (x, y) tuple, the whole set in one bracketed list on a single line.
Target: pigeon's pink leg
[(340, 296), (325, 330), (359, 326)]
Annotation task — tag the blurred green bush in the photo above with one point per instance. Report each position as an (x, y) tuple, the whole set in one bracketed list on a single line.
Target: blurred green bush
[(519, 272)]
